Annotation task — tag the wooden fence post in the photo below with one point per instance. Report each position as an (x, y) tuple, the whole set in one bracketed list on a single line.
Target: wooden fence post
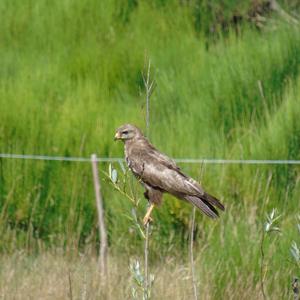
[(100, 212)]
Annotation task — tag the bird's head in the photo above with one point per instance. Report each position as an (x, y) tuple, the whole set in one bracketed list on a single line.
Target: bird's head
[(127, 132)]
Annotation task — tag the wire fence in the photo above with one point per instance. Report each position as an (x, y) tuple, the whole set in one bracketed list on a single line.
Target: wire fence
[(178, 160)]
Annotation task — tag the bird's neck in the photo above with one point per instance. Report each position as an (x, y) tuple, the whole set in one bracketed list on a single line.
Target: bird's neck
[(127, 148), (131, 145)]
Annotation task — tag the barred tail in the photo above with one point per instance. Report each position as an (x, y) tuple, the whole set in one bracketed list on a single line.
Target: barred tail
[(205, 204)]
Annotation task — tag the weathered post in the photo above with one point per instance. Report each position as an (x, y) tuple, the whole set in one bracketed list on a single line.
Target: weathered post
[(100, 213)]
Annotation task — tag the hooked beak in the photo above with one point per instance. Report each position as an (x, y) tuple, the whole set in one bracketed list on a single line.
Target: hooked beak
[(117, 136)]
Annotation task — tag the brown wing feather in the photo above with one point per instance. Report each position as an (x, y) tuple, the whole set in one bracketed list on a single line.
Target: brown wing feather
[(169, 163), (161, 158), (161, 173)]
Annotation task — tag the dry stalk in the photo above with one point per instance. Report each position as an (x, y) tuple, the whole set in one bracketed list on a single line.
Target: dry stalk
[(149, 87), (194, 281), (146, 253)]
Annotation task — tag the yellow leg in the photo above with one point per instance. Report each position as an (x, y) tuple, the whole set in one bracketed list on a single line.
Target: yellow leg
[(147, 217)]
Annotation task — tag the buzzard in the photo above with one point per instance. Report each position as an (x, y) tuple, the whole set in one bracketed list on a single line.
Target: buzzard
[(159, 174)]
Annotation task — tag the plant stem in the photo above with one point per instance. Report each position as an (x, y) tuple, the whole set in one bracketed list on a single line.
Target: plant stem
[(194, 281), (146, 276), (262, 262), (149, 89)]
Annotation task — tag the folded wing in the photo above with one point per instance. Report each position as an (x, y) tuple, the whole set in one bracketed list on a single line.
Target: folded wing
[(162, 173)]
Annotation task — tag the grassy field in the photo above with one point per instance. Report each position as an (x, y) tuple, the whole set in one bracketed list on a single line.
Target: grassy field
[(57, 276), (71, 72)]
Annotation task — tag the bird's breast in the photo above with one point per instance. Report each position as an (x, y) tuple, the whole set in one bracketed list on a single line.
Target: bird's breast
[(134, 167), (134, 159)]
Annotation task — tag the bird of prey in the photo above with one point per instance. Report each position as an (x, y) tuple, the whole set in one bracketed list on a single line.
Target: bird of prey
[(159, 174)]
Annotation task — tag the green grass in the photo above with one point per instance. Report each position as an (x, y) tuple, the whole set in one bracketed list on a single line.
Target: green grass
[(71, 73)]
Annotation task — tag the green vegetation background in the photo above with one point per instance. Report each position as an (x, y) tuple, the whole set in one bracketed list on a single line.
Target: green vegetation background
[(71, 73)]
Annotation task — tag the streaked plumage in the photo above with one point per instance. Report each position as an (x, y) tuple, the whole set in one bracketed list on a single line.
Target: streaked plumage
[(159, 174)]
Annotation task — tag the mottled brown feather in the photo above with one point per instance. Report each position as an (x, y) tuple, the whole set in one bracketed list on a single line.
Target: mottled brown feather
[(159, 174)]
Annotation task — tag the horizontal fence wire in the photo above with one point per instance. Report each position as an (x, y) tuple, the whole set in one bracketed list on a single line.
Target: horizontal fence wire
[(179, 160)]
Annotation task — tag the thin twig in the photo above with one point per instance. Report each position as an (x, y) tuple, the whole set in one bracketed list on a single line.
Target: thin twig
[(117, 187), (148, 100), (194, 281), (149, 86), (146, 252)]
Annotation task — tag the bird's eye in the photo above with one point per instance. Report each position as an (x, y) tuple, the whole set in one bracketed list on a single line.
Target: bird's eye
[(125, 132)]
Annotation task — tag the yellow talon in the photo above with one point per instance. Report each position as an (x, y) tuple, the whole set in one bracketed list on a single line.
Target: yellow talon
[(147, 217), (147, 220)]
